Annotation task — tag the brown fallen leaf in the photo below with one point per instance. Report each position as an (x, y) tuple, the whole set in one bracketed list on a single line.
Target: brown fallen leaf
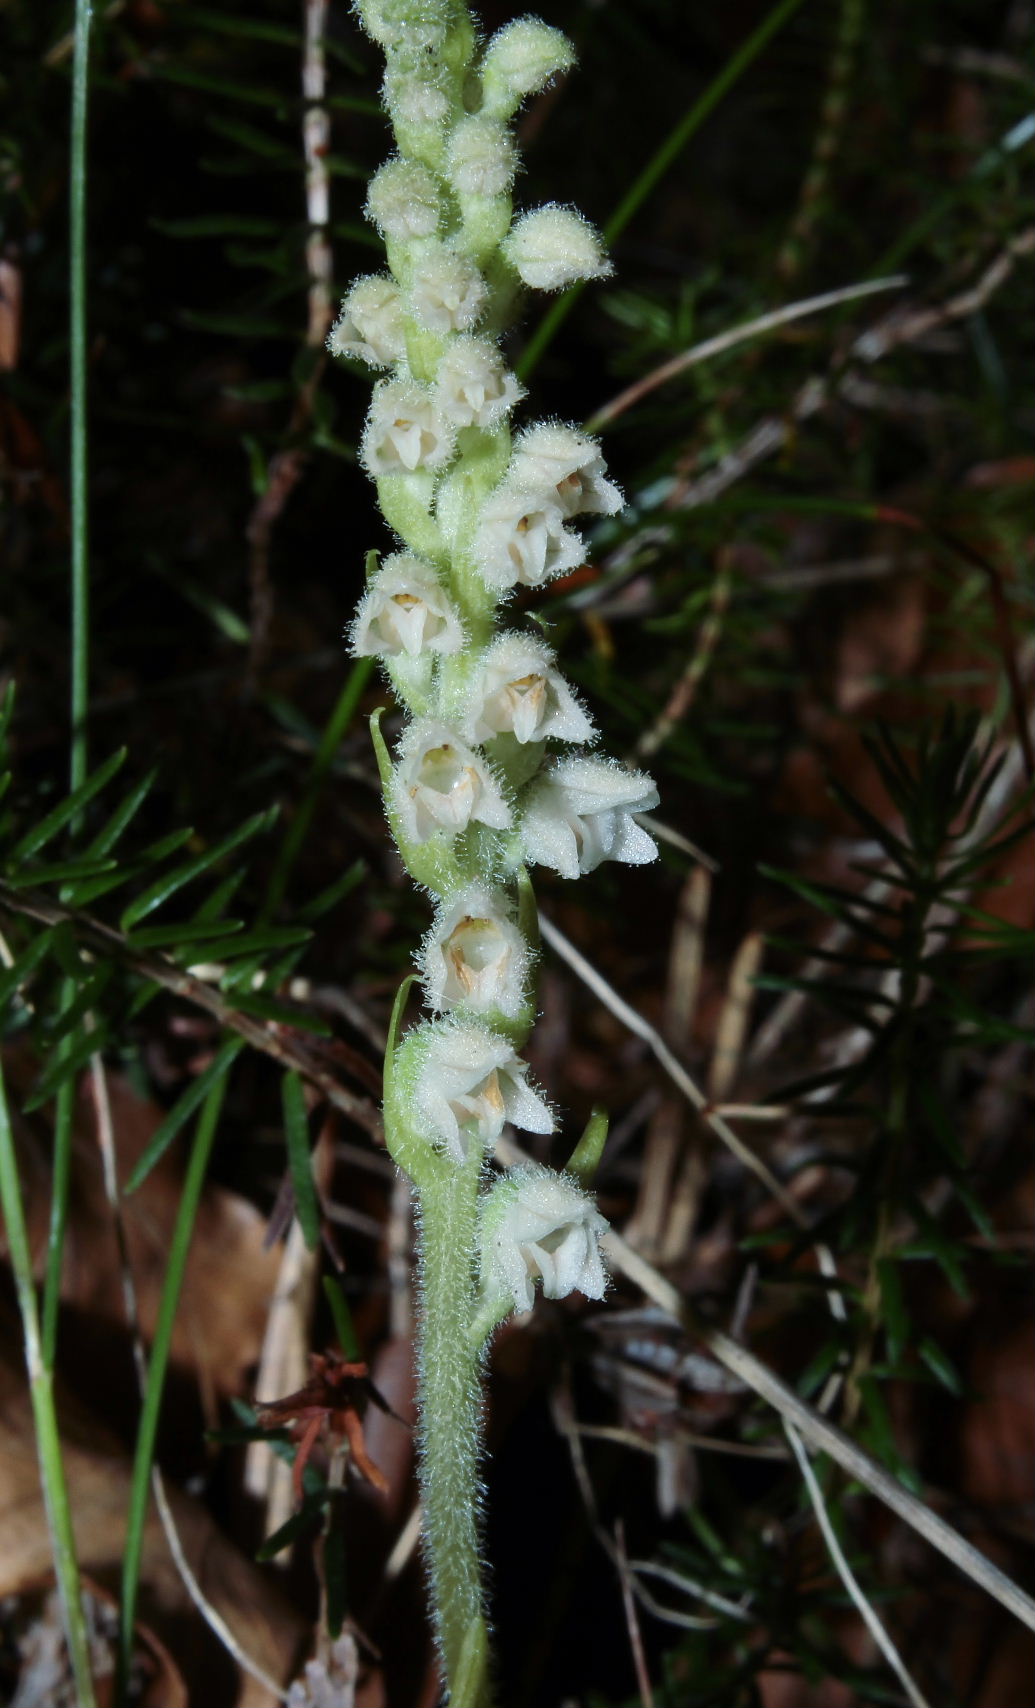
[(98, 1475), (229, 1277)]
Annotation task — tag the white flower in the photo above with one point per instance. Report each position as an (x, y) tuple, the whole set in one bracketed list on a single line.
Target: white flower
[(405, 430), (474, 956), (440, 784), (405, 610), (519, 690), (519, 60), (469, 1084), (410, 24), (403, 201), (447, 292), (481, 158), (472, 387), (553, 247), (578, 812), (569, 466), (521, 537), (537, 1224), (371, 324)]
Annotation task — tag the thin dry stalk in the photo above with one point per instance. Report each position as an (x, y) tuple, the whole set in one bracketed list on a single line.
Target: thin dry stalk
[(825, 1437), (845, 1573), (666, 1132)]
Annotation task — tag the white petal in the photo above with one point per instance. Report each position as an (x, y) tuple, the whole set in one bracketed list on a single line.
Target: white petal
[(370, 328), (472, 386), (466, 1088), (403, 200), (576, 813), (536, 1223)]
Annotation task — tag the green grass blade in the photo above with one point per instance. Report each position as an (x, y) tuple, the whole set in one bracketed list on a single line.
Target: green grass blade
[(67, 810), (48, 1444), (170, 882), (143, 1459), (181, 1111), (296, 1133), (109, 834)]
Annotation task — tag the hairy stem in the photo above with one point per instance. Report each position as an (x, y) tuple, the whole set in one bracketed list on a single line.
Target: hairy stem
[(451, 1428)]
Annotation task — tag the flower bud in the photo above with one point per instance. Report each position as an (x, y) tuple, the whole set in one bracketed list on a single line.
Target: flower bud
[(405, 430), (440, 784), (472, 387), (539, 1225), (568, 465), (469, 1084), (521, 537), (553, 247), (410, 24), (481, 158), (519, 691), (521, 59), (474, 956), (405, 610), (415, 98), (447, 292), (403, 201), (578, 812), (371, 324)]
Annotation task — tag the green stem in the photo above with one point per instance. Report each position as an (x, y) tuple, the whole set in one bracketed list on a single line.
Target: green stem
[(451, 1429), (61, 1174), (143, 1460), (659, 164), (77, 394), (44, 1411)]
